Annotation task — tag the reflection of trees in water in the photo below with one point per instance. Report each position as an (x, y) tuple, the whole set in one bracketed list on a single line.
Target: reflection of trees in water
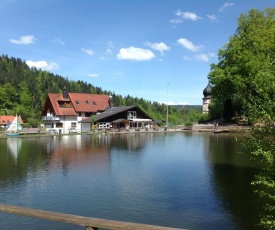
[(231, 177), (130, 142)]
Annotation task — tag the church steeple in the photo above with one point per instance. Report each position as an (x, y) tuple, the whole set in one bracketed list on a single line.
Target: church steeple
[(207, 92)]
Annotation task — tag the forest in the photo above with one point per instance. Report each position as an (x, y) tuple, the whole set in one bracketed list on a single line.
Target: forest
[(23, 91)]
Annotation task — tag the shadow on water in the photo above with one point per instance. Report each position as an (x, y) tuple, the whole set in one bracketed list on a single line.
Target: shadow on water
[(231, 177)]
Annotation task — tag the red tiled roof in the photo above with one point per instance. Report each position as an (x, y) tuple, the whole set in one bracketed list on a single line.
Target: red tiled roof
[(4, 120), (61, 111), (80, 102), (89, 102)]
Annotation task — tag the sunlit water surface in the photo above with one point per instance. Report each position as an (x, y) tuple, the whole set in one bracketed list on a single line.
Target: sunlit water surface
[(183, 180)]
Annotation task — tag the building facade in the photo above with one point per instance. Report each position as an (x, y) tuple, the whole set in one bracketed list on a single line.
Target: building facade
[(62, 112), (121, 118)]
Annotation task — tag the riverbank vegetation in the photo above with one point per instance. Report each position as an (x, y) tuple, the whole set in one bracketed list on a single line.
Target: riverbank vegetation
[(244, 85)]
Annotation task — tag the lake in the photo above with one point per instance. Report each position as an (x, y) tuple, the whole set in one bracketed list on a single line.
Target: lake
[(189, 180)]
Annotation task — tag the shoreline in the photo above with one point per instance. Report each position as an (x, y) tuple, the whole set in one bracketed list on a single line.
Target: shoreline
[(195, 128)]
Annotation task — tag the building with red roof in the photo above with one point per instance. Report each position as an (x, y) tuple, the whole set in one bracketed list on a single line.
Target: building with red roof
[(7, 120), (64, 111)]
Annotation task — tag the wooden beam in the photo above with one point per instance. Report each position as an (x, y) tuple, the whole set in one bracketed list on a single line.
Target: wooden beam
[(89, 223)]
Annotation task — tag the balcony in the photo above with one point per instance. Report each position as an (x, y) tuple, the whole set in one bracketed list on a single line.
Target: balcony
[(50, 118)]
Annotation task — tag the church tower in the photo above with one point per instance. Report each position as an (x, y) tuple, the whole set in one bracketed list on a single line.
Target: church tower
[(207, 92)]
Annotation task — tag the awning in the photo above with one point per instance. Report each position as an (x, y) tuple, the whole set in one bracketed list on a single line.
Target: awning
[(140, 120), (120, 121)]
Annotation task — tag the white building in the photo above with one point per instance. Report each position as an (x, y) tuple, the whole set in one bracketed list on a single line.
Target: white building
[(62, 112)]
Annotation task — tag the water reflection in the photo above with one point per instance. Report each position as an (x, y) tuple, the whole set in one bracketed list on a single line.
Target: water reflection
[(14, 145), (231, 176), (186, 180)]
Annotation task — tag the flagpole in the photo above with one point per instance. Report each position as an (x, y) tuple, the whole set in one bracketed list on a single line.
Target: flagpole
[(167, 108)]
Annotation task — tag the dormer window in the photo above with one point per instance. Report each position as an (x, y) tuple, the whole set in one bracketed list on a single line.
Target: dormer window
[(94, 102), (87, 102), (77, 102)]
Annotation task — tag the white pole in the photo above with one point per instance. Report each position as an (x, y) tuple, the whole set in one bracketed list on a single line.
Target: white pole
[(167, 108)]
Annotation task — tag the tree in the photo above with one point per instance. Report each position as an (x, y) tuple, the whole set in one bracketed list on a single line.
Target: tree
[(246, 72), (228, 111), (246, 64), (8, 96)]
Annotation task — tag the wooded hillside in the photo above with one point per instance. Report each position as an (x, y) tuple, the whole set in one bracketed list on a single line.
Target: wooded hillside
[(23, 91)]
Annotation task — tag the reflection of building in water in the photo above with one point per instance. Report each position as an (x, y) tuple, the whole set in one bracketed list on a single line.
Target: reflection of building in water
[(132, 141), (91, 151), (78, 151), (14, 145)]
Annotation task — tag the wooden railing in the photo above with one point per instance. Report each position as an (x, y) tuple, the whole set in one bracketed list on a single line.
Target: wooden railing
[(87, 222)]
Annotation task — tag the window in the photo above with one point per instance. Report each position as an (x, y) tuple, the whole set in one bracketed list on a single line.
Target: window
[(73, 125), (94, 102), (87, 102), (59, 125), (131, 115), (77, 102), (104, 125)]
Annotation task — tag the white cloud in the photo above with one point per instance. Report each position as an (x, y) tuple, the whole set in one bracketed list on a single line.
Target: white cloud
[(110, 48), (187, 15), (204, 57), (225, 5), (23, 40), (187, 58), (158, 46), (42, 65), (93, 75), (135, 54), (199, 57), (59, 41), (189, 45), (87, 51), (176, 21), (109, 51), (212, 17)]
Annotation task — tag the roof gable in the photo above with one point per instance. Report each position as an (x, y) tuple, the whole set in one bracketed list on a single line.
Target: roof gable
[(59, 105)]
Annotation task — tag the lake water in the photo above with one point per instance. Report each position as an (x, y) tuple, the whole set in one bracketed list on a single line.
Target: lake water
[(184, 180)]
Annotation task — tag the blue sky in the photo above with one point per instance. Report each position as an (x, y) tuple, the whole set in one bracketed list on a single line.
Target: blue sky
[(144, 48)]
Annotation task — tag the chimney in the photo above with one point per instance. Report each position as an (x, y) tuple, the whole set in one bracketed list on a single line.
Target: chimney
[(110, 101), (65, 93)]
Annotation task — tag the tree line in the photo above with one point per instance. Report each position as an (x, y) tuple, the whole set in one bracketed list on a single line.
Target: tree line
[(23, 91)]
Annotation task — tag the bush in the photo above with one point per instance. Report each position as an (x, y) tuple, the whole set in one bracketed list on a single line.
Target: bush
[(188, 124)]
